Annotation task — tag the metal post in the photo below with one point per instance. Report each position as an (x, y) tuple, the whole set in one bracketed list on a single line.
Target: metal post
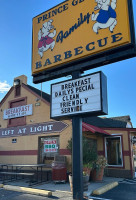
[(77, 155)]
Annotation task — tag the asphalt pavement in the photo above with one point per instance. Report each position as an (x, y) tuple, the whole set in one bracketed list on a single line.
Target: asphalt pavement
[(126, 190), (13, 195)]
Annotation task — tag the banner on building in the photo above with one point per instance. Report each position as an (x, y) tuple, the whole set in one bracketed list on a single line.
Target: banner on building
[(20, 111), (34, 129)]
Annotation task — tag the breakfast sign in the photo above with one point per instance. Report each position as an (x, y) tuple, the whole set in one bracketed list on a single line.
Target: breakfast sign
[(81, 33), (20, 111), (86, 95)]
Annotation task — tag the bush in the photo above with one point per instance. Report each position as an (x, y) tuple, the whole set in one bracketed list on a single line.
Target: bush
[(89, 152)]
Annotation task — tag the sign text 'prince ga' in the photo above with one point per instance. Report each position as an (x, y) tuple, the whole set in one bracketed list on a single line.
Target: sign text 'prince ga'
[(77, 30)]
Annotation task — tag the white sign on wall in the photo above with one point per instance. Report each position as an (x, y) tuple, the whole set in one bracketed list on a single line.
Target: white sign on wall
[(87, 94), (18, 111), (50, 145)]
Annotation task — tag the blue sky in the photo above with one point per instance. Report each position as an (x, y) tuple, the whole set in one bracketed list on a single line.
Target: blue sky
[(15, 56)]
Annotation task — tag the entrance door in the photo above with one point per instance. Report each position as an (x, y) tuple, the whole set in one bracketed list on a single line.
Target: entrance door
[(133, 150), (48, 149), (134, 155)]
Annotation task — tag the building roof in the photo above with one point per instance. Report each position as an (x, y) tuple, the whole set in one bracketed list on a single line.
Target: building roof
[(122, 118), (105, 122), (36, 91), (93, 129), (42, 94)]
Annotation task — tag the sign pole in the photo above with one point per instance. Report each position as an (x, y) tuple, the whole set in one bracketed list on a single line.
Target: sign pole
[(77, 155), (73, 99)]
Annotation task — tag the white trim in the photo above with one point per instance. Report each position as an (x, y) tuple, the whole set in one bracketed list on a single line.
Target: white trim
[(119, 136), (97, 198), (19, 111)]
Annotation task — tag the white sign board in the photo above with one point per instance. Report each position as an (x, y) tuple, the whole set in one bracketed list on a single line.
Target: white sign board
[(50, 146), (87, 94), (18, 111)]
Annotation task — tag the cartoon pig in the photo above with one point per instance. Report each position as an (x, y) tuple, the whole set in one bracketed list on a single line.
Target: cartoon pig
[(45, 37), (106, 17)]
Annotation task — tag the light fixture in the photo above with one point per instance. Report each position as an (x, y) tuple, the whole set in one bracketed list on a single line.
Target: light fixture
[(31, 120), (37, 104), (16, 82), (37, 99), (68, 76)]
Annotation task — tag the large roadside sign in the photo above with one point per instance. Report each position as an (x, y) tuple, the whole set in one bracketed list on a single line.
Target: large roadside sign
[(80, 35), (85, 95)]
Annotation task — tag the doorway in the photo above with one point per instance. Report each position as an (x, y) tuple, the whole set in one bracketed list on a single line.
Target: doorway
[(48, 149)]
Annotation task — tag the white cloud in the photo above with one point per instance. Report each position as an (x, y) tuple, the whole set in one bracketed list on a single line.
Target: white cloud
[(4, 87)]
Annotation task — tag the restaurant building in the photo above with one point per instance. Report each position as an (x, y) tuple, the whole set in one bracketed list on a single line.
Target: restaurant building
[(29, 136)]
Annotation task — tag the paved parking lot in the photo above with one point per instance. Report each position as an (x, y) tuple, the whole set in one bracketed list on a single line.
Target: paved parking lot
[(59, 190), (11, 195), (126, 190)]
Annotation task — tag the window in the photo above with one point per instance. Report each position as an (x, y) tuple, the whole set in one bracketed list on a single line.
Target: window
[(14, 140), (134, 148), (114, 151), (49, 147), (17, 91)]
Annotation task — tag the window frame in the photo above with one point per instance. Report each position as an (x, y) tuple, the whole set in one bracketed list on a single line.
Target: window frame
[(39, 150), (115, 136)]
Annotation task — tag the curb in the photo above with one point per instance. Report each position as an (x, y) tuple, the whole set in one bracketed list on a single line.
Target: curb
[(105, 188), (62, 191), (28, 190)]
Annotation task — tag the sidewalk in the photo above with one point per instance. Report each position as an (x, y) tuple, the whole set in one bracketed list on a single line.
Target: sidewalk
[(62, 190)]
